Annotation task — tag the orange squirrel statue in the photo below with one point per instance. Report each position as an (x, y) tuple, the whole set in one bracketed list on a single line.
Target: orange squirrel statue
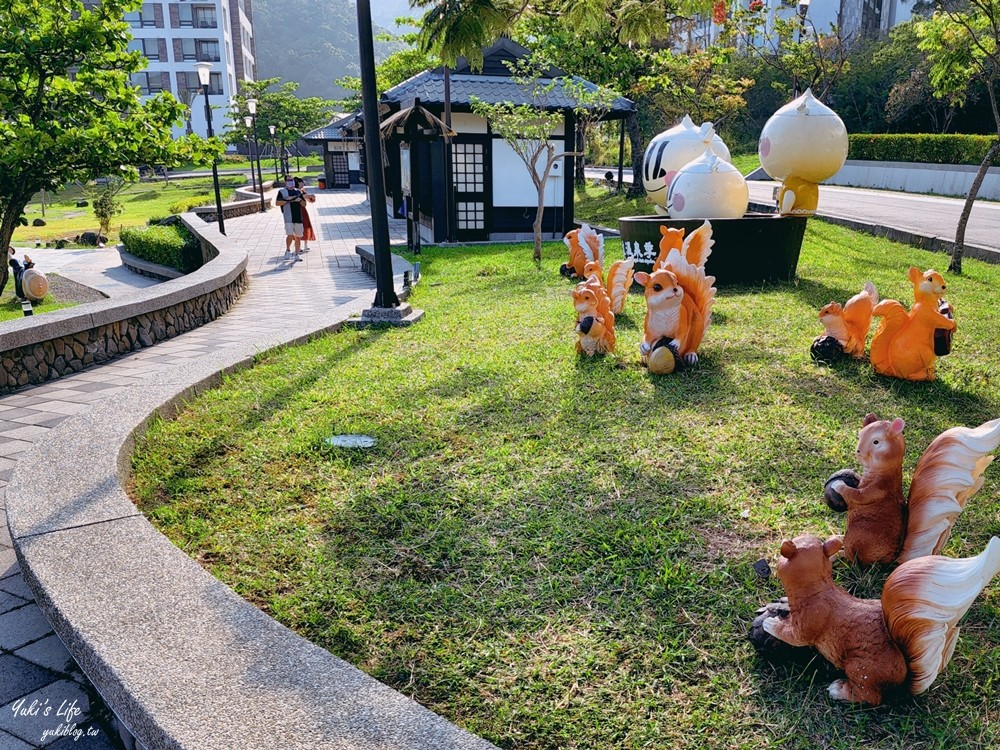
[(585, 246), (595, 322), (679, 298), (904, 342), (904, 640), (619, 281), (882, 525), (847, 325)]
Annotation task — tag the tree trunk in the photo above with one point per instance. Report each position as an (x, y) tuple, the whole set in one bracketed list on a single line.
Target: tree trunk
[(580, 161), (8, 224), (955, 266), (635, 139), (537, 226)]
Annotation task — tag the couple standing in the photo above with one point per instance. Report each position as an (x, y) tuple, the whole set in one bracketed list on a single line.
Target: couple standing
[(292, 199)]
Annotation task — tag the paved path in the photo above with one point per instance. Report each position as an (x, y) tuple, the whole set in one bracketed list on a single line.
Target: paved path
[(933, 216), (284, 300)]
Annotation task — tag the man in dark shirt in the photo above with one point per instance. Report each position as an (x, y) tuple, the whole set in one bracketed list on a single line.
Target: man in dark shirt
[(290, 202)]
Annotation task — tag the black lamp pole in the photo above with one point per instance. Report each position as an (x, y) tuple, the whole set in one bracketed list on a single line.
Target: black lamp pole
[(248, 121), (204, 77), (385, 292)]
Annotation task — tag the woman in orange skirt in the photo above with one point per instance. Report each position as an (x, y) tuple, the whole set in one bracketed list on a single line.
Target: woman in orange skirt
[(307, 228)]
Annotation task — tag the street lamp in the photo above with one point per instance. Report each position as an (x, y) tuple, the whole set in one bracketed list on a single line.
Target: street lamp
[(248, 121), (204, 77), (274, 148), (252, 109), (385, 292)]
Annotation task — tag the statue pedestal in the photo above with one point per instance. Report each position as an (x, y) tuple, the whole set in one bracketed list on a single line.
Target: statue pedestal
[(403, 315)]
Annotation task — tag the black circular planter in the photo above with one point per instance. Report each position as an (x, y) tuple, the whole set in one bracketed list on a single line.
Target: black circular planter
[(755, 248)]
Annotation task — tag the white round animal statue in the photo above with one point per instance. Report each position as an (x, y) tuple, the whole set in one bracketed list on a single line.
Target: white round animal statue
[(35, 285), (803, 143), (708, 188), (671, 150)]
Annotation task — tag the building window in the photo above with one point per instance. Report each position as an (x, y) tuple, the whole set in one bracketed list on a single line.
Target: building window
[(200, 50), (148, 47), (149, 83), (198, 16), (187, 81), (142, 18)]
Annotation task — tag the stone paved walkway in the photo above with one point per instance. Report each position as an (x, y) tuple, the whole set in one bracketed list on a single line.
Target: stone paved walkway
[(284, 300)]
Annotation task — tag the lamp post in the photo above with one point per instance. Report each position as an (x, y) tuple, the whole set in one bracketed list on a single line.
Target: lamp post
[(274, 149), (248, 121), (385, 292), (204, 77), (252, 109)]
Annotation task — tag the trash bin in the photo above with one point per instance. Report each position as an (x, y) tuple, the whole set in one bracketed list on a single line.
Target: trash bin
[(321, 183)]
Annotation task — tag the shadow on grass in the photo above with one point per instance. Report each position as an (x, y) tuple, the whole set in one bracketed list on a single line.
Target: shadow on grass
[(248, 421)]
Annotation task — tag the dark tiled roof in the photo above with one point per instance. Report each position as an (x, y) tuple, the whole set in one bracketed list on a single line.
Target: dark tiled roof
[(429, 88), (335, 130)]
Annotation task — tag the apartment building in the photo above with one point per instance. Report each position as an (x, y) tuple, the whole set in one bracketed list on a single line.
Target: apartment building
[(855, 19), (175, 35)]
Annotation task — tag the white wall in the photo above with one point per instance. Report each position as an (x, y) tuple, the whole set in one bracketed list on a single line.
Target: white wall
[(938, 179), (512, 185)]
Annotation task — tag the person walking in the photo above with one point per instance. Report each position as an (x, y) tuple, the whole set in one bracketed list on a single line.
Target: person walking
[(291, 202), (308, 233)]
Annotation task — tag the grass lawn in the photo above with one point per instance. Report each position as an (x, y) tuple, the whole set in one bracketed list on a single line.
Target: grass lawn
[(141, 201), (10, 308), (556, 552)]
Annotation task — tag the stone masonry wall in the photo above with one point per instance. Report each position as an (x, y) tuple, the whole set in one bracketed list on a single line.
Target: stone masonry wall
[(54, 358)]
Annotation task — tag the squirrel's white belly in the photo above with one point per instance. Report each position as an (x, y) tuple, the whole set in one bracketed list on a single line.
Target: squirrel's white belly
[(663, 322)]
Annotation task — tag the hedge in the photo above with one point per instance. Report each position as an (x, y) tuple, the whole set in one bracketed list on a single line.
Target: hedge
[(173, 246), (186, 204), (923, 148)]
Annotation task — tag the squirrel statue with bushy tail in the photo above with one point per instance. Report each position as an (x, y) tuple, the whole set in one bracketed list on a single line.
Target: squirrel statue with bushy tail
[(679, 299), (882, 524), (899, 642)]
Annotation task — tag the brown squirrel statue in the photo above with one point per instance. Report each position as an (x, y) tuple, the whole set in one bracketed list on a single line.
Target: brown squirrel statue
[(595, 323), (884, 526), (902, 641), (847, 325)]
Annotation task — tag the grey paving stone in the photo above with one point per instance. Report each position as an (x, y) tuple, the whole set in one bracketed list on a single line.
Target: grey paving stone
[(95, 738), (21, 626), (12, 446), (9, 602), (4, 532), (18, 678), (9, 742), (49, 652), (30, 432), (15, 585), (59, 704), (8, 563), (59, 407), (45, 419)]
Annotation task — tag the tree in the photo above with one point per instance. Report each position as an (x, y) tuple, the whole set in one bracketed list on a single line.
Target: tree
[(394, 69), (613, 37), (805, 60), (106, 204), (68, 111), (527, 130), (277, 105), (962, 41)]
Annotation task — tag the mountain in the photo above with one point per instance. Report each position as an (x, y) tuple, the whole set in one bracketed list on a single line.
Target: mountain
[(314, 43)]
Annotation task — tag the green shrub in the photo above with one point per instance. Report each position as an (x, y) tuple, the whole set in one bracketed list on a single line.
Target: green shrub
[(172, 246), (232, 158), (186, 204), (924, 148)]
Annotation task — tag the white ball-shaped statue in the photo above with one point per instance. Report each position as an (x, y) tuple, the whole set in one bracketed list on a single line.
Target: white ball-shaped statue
[(35, 285), (804, 139), (671, 150), (708, 188)]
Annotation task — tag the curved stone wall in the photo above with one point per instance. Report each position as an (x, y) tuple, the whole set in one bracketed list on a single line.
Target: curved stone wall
[(43, 347)]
